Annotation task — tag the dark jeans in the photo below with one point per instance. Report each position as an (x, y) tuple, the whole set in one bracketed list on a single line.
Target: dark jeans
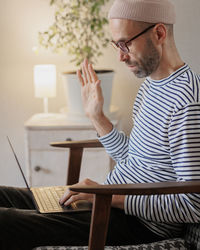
[(22, 227)]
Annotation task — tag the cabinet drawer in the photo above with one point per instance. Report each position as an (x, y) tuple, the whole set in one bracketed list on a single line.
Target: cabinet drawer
[(40, 139), (48, 168)]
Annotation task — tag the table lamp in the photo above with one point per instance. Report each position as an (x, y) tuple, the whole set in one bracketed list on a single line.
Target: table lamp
[(45, 83)]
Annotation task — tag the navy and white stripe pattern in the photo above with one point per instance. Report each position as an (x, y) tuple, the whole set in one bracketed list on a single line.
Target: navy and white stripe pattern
[(164, 145)]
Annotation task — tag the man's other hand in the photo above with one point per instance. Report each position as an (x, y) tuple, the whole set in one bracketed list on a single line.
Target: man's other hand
[(70, 196)]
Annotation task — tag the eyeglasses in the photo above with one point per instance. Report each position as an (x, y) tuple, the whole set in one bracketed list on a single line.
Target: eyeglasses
[(123, 45)]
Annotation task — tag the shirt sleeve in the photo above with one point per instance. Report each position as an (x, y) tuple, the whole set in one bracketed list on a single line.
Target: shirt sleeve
[(184, 139), (116, 144)]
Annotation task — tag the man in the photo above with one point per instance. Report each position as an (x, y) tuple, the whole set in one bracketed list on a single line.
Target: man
[(164, 143)]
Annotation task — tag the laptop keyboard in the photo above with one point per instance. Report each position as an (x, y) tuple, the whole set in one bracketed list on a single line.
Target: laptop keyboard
[(49, 197)]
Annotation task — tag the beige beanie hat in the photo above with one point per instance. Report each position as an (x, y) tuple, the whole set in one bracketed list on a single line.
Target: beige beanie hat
[(150, 11)]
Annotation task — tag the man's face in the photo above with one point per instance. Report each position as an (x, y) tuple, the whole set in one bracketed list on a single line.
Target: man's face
[(143, 57)]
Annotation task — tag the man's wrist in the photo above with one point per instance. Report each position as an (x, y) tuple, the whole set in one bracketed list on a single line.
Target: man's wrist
[(118, 201), (97, 117), (102, 125)]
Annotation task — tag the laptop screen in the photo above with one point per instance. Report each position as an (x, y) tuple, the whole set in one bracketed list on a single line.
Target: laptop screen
[(18, 163)]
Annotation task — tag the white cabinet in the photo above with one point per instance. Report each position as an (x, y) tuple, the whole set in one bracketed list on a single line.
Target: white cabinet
[(47, 165)]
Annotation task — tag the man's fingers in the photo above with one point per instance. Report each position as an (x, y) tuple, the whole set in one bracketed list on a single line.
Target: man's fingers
[(73, 198), (80, 77), (89, 75), (99, 90), (84, 73), (86, 65), (92, 73), (66, 196)]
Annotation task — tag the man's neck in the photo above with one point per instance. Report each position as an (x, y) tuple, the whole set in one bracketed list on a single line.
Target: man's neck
[(170, 62)]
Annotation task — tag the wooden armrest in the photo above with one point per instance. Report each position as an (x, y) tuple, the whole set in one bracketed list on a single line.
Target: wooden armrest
[(78, 144), (103, 199), (142, 188)]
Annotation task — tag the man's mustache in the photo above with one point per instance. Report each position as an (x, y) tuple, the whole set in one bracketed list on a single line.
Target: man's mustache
[(128, 63)]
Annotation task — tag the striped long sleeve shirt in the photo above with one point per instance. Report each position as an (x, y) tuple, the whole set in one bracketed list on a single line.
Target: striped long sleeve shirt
[(164, 145)]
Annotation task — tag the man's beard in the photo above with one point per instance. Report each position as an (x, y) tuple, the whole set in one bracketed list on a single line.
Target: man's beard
[(149, 63)]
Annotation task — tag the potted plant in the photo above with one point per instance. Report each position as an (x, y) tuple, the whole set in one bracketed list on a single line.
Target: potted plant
[(79, 28)]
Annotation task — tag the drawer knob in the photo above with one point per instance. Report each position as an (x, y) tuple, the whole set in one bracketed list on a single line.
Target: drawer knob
[(45, 170), (69, 139), (37, 168)]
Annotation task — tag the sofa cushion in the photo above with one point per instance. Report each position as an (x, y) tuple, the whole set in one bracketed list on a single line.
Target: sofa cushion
[(171, 244)]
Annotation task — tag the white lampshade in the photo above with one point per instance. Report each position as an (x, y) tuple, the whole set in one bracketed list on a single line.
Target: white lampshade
[(45, 80)]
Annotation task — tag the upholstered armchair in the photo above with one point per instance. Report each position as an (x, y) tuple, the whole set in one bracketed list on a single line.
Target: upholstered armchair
[(102, 204)]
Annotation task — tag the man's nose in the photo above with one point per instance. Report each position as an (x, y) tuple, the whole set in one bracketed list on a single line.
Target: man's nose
[(122, 56)]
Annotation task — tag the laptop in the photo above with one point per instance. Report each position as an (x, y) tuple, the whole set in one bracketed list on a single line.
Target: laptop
[(46, 199)]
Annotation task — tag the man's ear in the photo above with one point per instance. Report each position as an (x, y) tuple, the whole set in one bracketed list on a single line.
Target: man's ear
[(160, 32)]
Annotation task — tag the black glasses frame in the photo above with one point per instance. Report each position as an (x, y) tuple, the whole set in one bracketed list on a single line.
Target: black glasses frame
[(123, 45)]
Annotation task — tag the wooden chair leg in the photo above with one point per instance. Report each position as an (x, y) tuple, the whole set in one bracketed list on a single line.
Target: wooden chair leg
[(75, 157), (99, 221)]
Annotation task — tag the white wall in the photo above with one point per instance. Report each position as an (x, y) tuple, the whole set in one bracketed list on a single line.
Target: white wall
[(20, 20)]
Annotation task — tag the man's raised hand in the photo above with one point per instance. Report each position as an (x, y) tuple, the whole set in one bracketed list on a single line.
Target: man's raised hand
[(91, 91)]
